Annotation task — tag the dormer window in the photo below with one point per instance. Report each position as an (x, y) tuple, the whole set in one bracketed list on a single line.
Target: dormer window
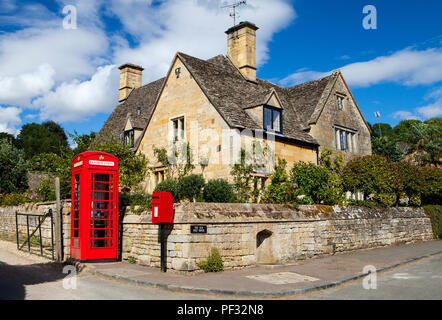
[(128, 138), (272, 119)]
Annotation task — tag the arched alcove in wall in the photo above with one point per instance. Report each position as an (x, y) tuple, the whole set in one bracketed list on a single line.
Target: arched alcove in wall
[(264, 247)]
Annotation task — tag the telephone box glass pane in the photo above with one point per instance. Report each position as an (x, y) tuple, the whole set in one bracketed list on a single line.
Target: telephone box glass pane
[(102, 177)]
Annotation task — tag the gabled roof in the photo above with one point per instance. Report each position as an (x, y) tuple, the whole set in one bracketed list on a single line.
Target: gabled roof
[(305, 97), (143, 97), (231, 94)]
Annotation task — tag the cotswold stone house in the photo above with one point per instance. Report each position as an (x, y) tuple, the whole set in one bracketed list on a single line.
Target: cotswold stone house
[(217, 104)]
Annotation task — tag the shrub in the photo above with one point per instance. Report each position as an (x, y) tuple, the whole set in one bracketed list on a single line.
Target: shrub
[(214, 263), (242, 178), (368, 174), (13, 199), (386, 199), (170, 185), (280, 190), (431, 178), (46, 190), (405, 180), (415, 200), (218, 190), (435, 214), (142, 200), (190, 187), (13, 168), (311, 180)]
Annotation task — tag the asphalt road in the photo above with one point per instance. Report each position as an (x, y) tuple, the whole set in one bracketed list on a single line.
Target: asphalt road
[(421, 280), (22, 277)]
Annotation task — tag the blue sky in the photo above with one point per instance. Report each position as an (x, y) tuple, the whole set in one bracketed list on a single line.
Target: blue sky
[(71, 76)]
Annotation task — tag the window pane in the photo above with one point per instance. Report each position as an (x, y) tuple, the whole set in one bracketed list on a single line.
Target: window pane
[(182, 128), (343, 140), (267, 119), (276, 120)]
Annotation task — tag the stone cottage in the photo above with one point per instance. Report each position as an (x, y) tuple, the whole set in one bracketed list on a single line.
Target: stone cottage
[(217, 106)]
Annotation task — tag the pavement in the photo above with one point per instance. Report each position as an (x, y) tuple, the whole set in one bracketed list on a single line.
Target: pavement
[(272, 280)]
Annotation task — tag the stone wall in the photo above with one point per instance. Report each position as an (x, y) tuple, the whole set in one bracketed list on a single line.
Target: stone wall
[(8, 222), (249, 234)]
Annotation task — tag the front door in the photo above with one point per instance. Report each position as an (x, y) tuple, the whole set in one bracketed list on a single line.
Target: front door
[(103, 216)]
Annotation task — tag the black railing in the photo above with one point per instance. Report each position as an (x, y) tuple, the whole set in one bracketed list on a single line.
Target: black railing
[(41, 219)]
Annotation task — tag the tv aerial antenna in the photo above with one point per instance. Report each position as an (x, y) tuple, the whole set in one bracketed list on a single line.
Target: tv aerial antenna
[(233, 6)]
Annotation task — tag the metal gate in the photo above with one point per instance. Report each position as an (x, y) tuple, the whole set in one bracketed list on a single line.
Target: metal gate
[(30, 238)]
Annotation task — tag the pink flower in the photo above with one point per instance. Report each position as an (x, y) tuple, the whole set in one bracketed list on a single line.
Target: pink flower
[(295, 186)]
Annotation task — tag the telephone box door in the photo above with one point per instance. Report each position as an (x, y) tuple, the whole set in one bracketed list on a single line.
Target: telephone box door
[(94, 212), (103, 215)]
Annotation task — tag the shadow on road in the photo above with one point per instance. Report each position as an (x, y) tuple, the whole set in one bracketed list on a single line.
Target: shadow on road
[(14, 278)]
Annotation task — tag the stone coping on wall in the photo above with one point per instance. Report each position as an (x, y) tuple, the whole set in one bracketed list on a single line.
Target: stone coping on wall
[(240, 213)]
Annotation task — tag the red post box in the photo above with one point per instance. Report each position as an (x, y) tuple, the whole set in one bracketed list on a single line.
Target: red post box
[(162, 207), (94, 211)]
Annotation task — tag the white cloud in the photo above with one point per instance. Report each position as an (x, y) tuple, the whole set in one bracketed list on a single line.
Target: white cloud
[(77, 100), (408, 67), (71, 53), (302, 76), (10, 119), (430, 110), (47, 67), (405, 115), (22, 88), (193, 27)]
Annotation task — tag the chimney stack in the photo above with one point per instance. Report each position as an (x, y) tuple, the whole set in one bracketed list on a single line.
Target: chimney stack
[(131, 76), (241, 48)]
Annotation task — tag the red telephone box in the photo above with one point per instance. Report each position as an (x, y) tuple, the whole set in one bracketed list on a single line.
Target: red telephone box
[(94, 206)]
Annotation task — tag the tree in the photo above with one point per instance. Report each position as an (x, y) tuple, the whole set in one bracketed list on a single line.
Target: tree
[(386, 146), (47, 137), (132, 166), (381, 130), (9, 137), (83, 142), (13, 168)]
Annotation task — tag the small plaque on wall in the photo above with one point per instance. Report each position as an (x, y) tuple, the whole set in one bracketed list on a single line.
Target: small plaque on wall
[(198, 229)]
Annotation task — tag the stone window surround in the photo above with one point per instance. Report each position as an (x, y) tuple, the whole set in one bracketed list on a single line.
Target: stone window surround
[(159, 174), (179, 137), (343, 96), (352, 138)]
